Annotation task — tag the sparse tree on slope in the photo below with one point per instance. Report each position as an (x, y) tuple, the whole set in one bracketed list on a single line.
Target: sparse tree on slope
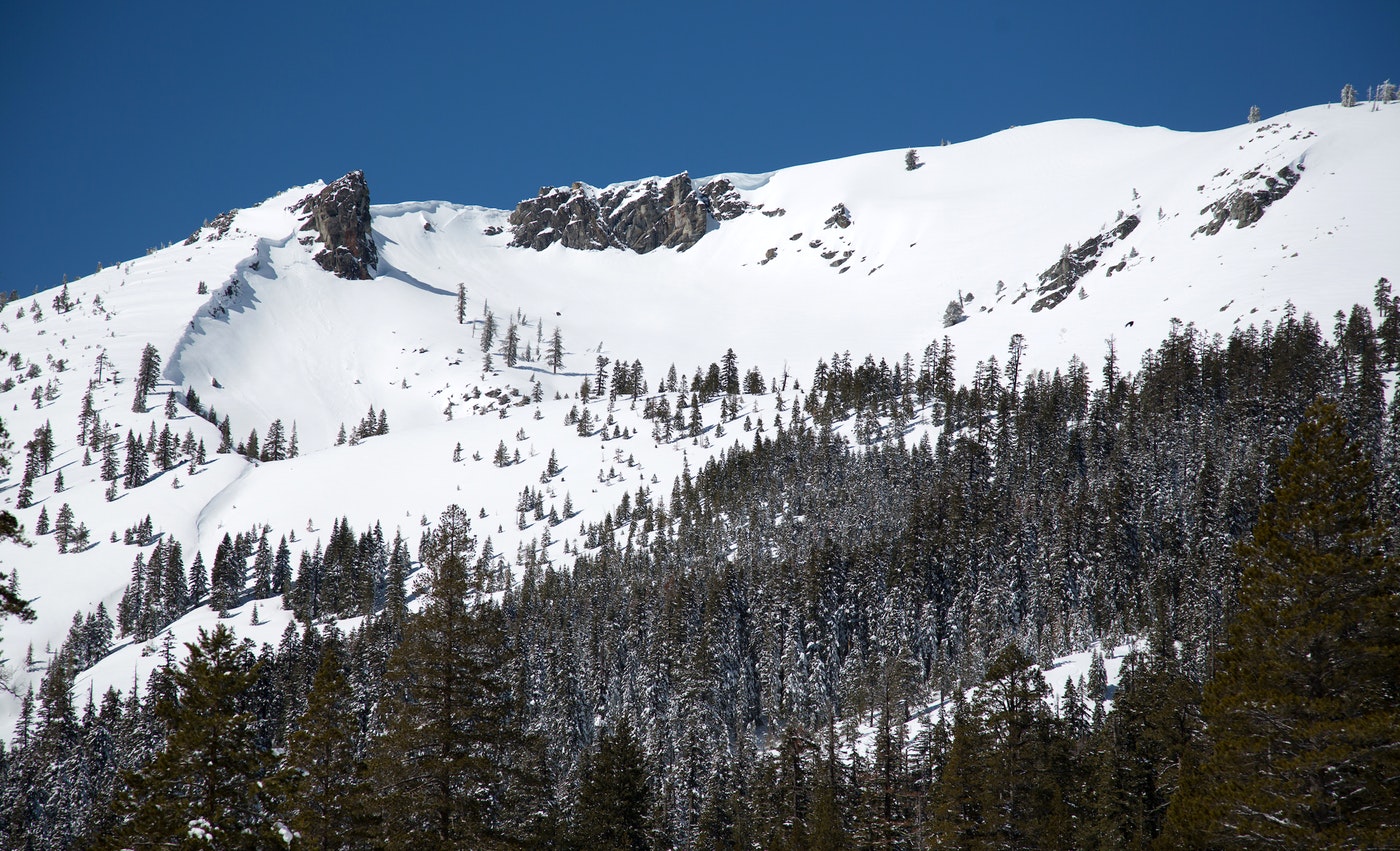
[(488, 331), (147, 374), (554, 355), (510, 344)]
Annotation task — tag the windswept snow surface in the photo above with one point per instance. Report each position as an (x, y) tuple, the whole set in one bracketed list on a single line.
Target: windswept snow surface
[(278, 337)]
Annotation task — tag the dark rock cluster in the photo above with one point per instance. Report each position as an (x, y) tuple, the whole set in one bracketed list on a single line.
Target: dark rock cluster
[(339, 215), (1245, 206), (1057, 282), (840, 217), (217, 228), (640, 217), (724, 200)]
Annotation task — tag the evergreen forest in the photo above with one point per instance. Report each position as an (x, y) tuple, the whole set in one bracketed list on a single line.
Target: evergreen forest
[(832, 636)]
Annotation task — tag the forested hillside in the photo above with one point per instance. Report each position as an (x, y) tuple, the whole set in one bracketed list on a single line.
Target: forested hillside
[(829, 635)]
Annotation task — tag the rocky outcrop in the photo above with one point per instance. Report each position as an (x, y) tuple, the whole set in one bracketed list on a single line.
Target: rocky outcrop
[(639, 217), (724, 200), (840, 217), (339, 215), (217, 229), (1057, 282), (1245, 204), (645, 217)]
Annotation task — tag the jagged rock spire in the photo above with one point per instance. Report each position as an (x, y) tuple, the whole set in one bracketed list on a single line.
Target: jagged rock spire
[(339, 214)]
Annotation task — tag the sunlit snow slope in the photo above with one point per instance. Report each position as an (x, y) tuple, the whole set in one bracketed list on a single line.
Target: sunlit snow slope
[(275, 336)]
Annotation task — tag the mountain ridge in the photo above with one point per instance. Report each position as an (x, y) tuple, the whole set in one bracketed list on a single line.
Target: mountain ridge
[(274, 335)]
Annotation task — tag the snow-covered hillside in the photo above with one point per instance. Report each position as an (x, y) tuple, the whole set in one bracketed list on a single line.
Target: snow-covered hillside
[(245, 317)]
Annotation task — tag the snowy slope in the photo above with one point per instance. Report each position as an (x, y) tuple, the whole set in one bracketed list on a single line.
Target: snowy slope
[(277, 337)]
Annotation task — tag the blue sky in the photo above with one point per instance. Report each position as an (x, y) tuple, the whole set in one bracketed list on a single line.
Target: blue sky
[(123, 126)]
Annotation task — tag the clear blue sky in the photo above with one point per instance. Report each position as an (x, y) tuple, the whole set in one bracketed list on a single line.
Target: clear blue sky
[(125, 125)]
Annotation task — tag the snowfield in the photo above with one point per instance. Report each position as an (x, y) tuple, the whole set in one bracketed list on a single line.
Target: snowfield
[(273, 336)]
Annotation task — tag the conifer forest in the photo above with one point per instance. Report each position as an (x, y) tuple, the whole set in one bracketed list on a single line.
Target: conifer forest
[(819, 639)]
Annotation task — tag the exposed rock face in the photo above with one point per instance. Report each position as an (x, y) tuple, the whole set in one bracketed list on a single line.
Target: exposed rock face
[(649, 217), (1057, 282), (1245, 206), (339, 214), (725, 202), (640, 217)]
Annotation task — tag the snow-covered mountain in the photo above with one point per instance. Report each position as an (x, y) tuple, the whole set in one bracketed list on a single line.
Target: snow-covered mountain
[(1071, 234)]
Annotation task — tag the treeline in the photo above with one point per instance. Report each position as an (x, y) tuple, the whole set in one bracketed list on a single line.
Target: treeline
[(753, 661)]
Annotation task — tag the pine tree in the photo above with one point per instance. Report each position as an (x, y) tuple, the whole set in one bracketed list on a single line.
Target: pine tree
[(461, 303), (962, 800), (554, 355), (729, 373), (85, 415), (1021, 810), (510, 344), (275, 446), (226, 581), (1301, 713), (111, 468), (137, 467), (213, 785), (613, 811), (63, 527), (448, 767), (1139, 751), (1348, 96), (42, 446), (25, 497), (395, 590), (262, 568), (199, 579), (329, 802), (282, 568), (488, 331), (147, 374)]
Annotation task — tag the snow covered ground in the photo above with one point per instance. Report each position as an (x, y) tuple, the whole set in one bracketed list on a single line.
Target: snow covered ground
[(276, 337)]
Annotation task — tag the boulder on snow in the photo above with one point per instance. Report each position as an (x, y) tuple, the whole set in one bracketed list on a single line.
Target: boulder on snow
[(840, 217)]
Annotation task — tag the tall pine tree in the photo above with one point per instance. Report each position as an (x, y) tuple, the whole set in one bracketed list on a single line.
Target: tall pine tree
[(213, 785), (1302, 712)]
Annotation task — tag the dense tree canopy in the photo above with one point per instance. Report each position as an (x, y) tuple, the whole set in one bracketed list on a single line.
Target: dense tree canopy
[(833, 634)]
